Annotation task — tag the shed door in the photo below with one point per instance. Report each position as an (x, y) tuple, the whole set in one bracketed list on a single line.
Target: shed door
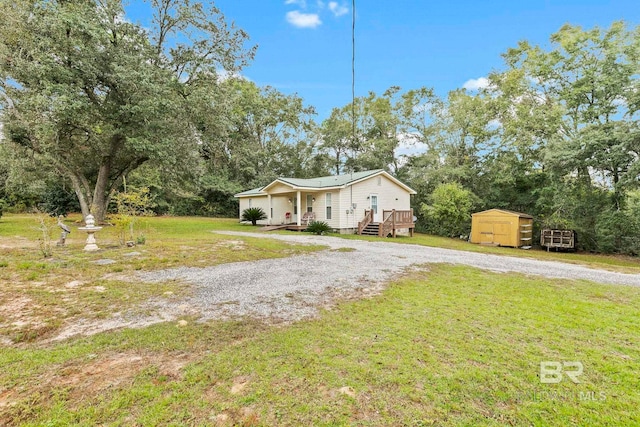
[(486, 232), (495, 232), (502, 233)]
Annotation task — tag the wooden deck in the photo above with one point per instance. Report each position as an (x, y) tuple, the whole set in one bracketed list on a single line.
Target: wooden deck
[(290, 227), (393, 220)]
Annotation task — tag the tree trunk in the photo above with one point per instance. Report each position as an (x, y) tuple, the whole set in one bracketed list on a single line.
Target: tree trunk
[(101, 192), (82, 198)]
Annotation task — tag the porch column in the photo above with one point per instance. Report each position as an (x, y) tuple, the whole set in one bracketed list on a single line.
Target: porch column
[(298, 198), (269, 211)]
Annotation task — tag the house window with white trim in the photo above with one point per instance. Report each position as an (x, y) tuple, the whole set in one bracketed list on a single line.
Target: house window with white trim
[(328, 205), (250, 204), (309, 203)]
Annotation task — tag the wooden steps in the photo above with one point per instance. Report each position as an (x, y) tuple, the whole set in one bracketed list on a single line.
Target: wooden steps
[(371, 229)]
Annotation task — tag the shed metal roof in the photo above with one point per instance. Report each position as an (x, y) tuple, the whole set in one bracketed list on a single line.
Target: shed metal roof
[(519, 214)]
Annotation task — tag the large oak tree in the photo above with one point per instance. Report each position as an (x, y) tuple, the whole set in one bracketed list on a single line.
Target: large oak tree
[(95, 96)]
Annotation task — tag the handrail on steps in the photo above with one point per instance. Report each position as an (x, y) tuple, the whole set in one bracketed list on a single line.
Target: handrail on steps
[(388, 224), (368, 219)]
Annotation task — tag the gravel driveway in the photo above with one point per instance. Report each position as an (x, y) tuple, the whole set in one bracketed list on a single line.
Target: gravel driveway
[(292, 288)]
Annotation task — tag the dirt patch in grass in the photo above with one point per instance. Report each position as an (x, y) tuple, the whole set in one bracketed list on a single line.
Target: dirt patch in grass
[(17, 242), (81, 380)]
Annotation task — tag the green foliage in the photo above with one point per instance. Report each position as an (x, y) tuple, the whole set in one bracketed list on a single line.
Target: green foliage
[(130, 206), (46, 227), (617, 232), (2, 206), (59, 200), (267, 134), (449, 213), (318, 227), (253, 215), (99, 96)]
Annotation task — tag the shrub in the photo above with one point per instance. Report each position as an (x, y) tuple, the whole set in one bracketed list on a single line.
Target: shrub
[(318, 227), (1, 207), (449, 213), (131, 205), (254, 215), (59, 200)]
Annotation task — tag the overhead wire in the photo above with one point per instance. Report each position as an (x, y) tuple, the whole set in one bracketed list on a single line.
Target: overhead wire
[(352, 208)]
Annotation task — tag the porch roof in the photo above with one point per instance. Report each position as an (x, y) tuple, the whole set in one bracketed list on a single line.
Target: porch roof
[(254, 192)]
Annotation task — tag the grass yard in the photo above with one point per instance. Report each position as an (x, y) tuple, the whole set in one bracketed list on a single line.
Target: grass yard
[(39, 295), (447, 345)]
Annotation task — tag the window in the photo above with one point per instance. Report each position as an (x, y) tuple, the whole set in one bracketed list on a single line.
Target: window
[(295, 206), (309, 203), (249, 203), (379, 180), (328, 205)]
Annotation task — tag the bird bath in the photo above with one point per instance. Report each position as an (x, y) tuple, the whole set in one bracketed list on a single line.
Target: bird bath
[(90, 229)]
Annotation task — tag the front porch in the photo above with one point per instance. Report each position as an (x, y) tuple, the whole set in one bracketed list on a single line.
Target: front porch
[(392, 221), (288, 227), (292, 209)]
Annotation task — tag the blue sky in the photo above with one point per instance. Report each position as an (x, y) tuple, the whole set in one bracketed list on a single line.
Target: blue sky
[(304, 46)]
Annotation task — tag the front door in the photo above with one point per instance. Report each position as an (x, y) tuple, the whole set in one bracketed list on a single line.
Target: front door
[(377, 213)]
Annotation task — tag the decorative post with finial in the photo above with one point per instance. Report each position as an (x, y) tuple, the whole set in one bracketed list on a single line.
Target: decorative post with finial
[(90, 228)]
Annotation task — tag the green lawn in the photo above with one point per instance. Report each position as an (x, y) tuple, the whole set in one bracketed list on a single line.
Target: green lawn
[(448, 345)]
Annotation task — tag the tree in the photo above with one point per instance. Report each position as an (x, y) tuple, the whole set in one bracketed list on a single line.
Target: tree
[(96, 96), (267, 134), (338, 138), (449, 213), (587, 84)]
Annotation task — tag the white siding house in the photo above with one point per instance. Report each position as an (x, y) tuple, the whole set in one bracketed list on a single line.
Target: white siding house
[(343, 201)]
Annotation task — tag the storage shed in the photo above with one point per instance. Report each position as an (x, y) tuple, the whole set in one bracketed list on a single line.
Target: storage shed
[(502, 228)]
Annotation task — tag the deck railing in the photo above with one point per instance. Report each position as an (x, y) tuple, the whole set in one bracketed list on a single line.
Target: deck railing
[(368, 219), (395, 219)]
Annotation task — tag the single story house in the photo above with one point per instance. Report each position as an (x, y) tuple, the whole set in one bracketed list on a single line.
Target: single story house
[(343, 201)]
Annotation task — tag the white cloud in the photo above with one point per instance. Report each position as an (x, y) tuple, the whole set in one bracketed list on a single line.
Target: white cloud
[(301, 3), (303, 20), (338, 10), (476, 84), (410, 144)]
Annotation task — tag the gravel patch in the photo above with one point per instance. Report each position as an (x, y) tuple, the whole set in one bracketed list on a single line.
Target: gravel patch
[(293, 288)]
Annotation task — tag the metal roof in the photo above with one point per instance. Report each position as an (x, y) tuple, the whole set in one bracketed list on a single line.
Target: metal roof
[(254, 192), (520, 214), (331, 181)]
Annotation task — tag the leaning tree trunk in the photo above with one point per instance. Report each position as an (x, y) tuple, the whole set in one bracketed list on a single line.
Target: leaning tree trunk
[(82, 198), (101, 191)]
